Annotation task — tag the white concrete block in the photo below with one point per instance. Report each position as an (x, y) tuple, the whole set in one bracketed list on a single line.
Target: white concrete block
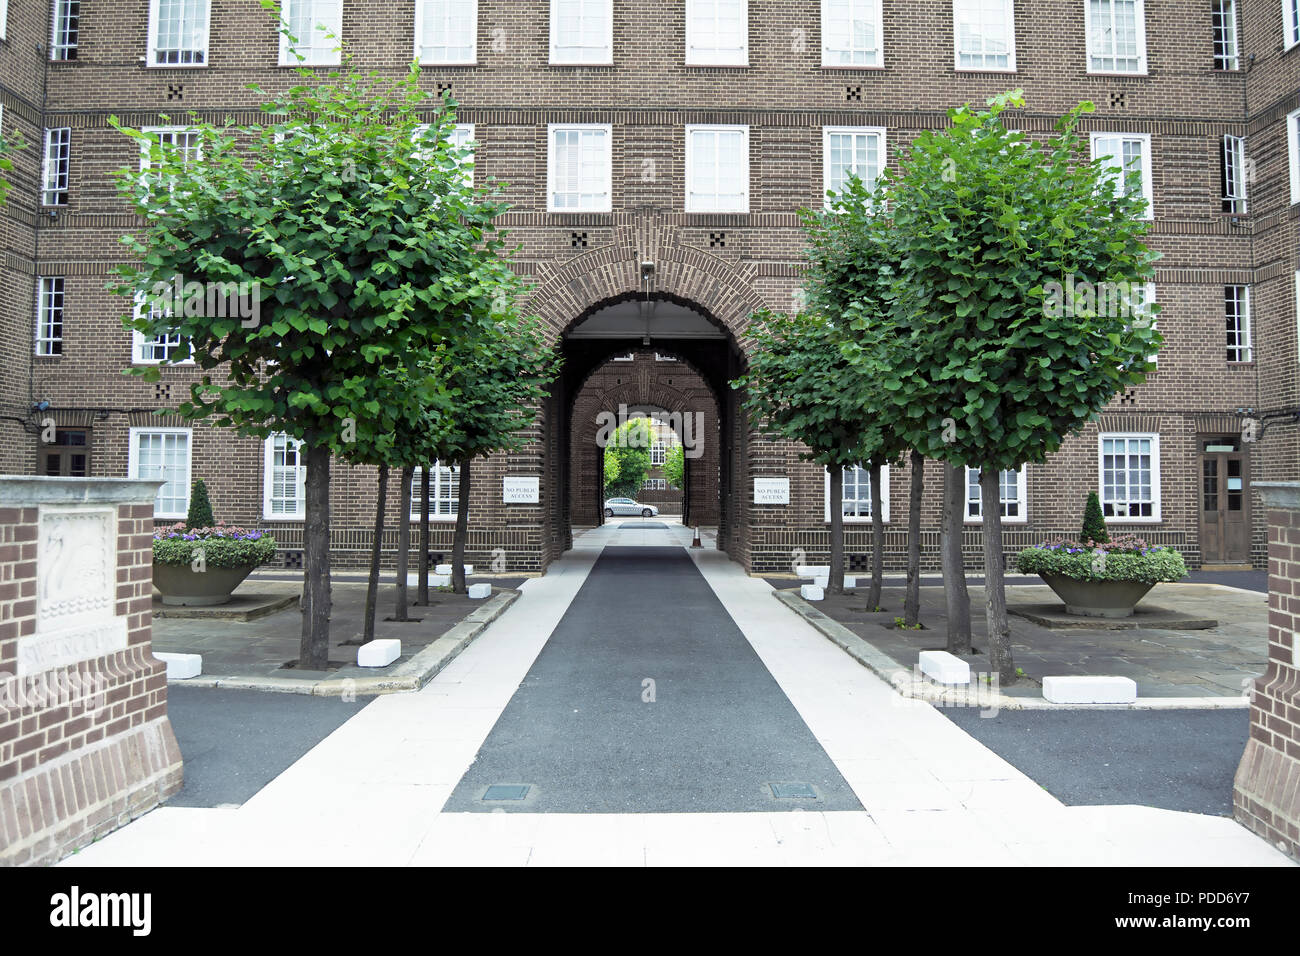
[(811, 592), (822, 581), (944, 667), (477, 591), (1089, 689), (379, 653), (446, 569), (850, 581), (812, 570), (181, 666)]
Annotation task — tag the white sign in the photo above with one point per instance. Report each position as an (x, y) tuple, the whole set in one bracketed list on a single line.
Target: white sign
[(521, 491), (771, 491)]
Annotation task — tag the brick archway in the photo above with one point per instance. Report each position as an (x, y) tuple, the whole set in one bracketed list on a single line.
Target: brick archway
[(645, 382), (723, 290), (570, 292)]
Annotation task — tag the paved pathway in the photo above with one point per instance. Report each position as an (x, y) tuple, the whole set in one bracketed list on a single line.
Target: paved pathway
[(647, 697), (374, 791)]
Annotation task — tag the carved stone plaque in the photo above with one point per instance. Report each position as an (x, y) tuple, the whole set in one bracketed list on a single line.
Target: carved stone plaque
[(76, 579)]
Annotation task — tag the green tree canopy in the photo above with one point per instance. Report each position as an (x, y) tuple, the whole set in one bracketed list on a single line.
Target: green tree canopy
[(627, 453)]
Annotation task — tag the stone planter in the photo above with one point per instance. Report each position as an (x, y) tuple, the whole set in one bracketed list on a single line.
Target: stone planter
[(185, 587), (1097, 598)]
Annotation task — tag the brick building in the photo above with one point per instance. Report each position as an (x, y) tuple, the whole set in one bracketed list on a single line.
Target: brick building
[(655, 157)]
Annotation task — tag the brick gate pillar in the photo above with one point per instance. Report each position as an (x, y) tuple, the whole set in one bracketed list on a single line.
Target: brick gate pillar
[(85, 743), (1266, 792)]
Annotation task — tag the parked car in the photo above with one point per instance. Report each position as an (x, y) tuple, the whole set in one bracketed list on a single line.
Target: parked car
[(626, 506)]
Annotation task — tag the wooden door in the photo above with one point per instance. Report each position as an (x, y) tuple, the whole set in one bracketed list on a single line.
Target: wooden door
[(1225, 501)]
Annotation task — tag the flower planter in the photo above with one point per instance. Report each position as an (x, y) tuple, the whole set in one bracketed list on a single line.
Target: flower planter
[(185, 587), (1097, 598)]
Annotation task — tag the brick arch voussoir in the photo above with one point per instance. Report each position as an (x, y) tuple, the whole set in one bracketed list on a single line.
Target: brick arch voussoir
[(611, 272)]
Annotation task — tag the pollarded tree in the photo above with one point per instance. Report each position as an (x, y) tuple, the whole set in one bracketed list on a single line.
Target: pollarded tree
[(497, 373), (1001, 359), (332, 245), (800, 387)]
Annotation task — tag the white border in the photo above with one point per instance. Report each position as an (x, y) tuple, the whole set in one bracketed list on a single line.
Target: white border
[(609, 39), (880, 38), (1289, 26), (152, 43), (419, 32), (1022, 499), (744, 131), (133, 463), (1156, 490), (1011, 52), (1142, 69), (434, 517), (828, 132), (268, 460), (337, 57), (551, 129), (884, 498), (744, 53), (1148, 162)]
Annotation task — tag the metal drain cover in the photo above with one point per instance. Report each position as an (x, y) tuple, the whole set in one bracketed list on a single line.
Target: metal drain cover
[(506, 791), (793, 791)]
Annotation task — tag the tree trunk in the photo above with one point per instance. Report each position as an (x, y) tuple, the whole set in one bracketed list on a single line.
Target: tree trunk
[(955, 594), (462, 532), (404, 544), (912, 604), (376, 549), (314, 648), (835, 578), (877, 540), (994, 586), (424, 535)]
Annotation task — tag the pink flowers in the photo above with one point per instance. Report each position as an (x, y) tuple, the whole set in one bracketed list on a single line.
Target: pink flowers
[(222, 531)]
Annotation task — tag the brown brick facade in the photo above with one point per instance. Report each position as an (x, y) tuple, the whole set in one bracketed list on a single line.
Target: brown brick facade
[(85, 746), (726, 266), (1266, 793)]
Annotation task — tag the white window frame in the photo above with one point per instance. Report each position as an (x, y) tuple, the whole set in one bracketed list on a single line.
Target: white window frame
[(693, 205), (139, 343), (1148, 192), (695, 56), (1140, 17), (957, 51), (881, 152), (158, 132), (608, 164), (1234, 173), (871, 9), (626, 357), (448, 475), (462, 136), (268, 480), (56, 175), (312, 46), (858, 519), (421, 12), (1231, 58), (1247, 347), (45, 337), (1154, 438), (1293, 153), (608, 40), (152, 58), (1022, 498), (60, 47), (4, 19), (133, 464), (1290, 23)]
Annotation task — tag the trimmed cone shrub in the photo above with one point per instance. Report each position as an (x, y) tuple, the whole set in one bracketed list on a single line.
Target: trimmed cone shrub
[(1094, 522), (200, 513)]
